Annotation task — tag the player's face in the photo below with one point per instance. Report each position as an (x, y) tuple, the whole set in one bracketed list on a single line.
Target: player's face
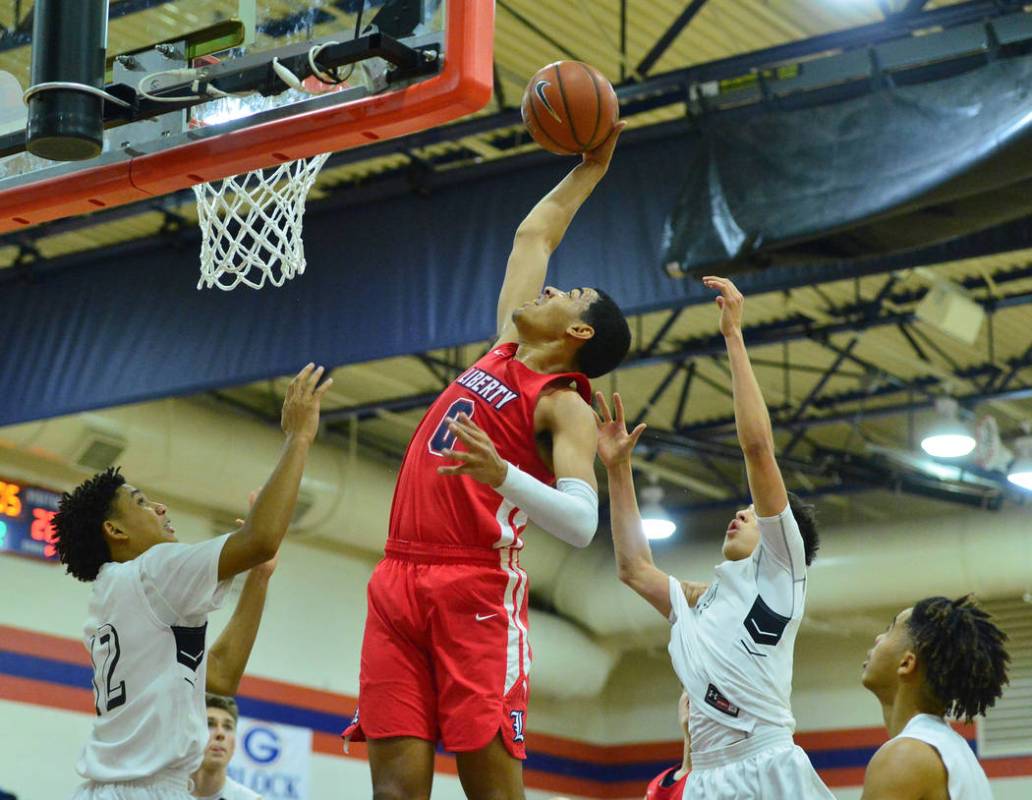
[(221, 738), (742, 536), (890, 654), (553, 312), (145, 521)]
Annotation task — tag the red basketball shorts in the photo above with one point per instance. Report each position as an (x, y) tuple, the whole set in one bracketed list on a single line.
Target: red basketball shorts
[(445, 654)]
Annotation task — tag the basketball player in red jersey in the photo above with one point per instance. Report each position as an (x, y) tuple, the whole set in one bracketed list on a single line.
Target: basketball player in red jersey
[(445, 656), (669, 784)]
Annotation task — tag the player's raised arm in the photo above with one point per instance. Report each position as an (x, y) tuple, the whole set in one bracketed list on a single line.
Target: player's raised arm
[(752, 419), (228, 657), (541, 231), (634, 563), (259, 538)]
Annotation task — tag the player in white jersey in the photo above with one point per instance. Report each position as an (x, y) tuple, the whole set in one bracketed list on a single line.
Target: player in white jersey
[(732, 641), (211, 781), (941, 658), (145, 629)]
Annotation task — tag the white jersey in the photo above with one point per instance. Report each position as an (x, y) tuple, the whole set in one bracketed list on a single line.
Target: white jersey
[(966, 778), (146, 636), (232, 790), (733, 652)]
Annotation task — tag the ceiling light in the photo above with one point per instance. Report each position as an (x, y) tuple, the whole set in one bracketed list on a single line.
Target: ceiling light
[(949, 437), (655, 521), (1020, 473)]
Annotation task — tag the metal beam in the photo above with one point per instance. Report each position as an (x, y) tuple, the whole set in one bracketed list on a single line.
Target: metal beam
[(669, 35), (793, 422), (537, 31)]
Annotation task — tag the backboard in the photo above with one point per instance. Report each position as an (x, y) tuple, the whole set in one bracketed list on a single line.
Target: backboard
[(405, 65)]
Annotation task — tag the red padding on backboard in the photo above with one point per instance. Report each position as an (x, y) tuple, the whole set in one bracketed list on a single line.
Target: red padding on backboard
[(463, 87)]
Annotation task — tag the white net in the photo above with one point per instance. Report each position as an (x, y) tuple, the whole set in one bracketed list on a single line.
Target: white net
[(251, 225)]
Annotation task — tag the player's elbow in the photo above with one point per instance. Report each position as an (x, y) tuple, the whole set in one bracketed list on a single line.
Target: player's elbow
[(629, 571), (758, 446), (262, 542), (535, 232)]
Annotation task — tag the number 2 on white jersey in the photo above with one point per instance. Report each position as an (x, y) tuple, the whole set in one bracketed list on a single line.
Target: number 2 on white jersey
[(104, 647), (443, 438)]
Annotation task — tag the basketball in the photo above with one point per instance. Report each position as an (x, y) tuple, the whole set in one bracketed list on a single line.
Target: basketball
[(569, 107)]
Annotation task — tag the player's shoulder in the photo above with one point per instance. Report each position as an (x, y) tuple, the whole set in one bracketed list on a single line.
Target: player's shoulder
[(564, 398), (904, 768)]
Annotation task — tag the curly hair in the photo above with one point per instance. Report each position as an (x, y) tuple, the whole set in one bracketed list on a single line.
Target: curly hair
[(963, 654), (806, 518), (78, 524)]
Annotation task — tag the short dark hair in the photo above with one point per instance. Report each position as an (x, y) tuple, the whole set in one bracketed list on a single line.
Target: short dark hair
[(227, 704), (604, 351), (962, 652), (79, 524), (806, 518)]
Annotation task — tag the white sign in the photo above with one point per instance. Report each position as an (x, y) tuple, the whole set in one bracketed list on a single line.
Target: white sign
[(272, 760)]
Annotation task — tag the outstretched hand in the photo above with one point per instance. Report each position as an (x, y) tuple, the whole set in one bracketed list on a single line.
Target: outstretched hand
[(615, 444), (730, 302), (603, 154), (300, 415), (479, 460)]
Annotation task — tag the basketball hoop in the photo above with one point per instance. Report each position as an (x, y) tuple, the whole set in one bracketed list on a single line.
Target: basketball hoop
[(251, 225)]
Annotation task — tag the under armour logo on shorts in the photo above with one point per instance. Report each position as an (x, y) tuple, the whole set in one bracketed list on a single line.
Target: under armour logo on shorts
[(517, 725)]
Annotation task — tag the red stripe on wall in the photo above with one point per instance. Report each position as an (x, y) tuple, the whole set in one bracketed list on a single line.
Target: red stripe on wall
[(292, 694), (1019, 767), (603, 754), (843, 776), (861, 737), (43, 645), (43, 693)]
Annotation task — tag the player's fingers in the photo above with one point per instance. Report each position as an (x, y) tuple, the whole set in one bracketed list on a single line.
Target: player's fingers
[(239, 522), (302, 376), (457, 455), (603, 406), (321, 390), (720, 302), (459, 469), (637, 432), (312, 380), (618, 403), (464, 434)]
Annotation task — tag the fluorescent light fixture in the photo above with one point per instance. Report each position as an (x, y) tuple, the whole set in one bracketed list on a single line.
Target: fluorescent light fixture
[(655, 522), (949, 438), (1020, 473)]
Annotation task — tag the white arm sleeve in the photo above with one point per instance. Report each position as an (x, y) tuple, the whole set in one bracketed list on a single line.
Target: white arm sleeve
[(568, 512)]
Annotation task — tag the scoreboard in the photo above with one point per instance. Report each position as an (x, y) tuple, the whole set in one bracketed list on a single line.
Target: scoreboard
[(26, 519)]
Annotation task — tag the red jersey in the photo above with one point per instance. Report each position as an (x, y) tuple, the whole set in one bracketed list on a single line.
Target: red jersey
[(499, 394), (664, 787)]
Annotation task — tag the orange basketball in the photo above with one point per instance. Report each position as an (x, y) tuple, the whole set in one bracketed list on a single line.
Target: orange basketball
[(569, 107)]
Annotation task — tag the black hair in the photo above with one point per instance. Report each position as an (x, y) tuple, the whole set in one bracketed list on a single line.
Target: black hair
[(962, 652), (806, 518), (79, 524), (604, 351)]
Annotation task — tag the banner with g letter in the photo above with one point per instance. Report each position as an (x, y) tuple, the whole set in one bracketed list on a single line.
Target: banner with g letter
[(272, 760)]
